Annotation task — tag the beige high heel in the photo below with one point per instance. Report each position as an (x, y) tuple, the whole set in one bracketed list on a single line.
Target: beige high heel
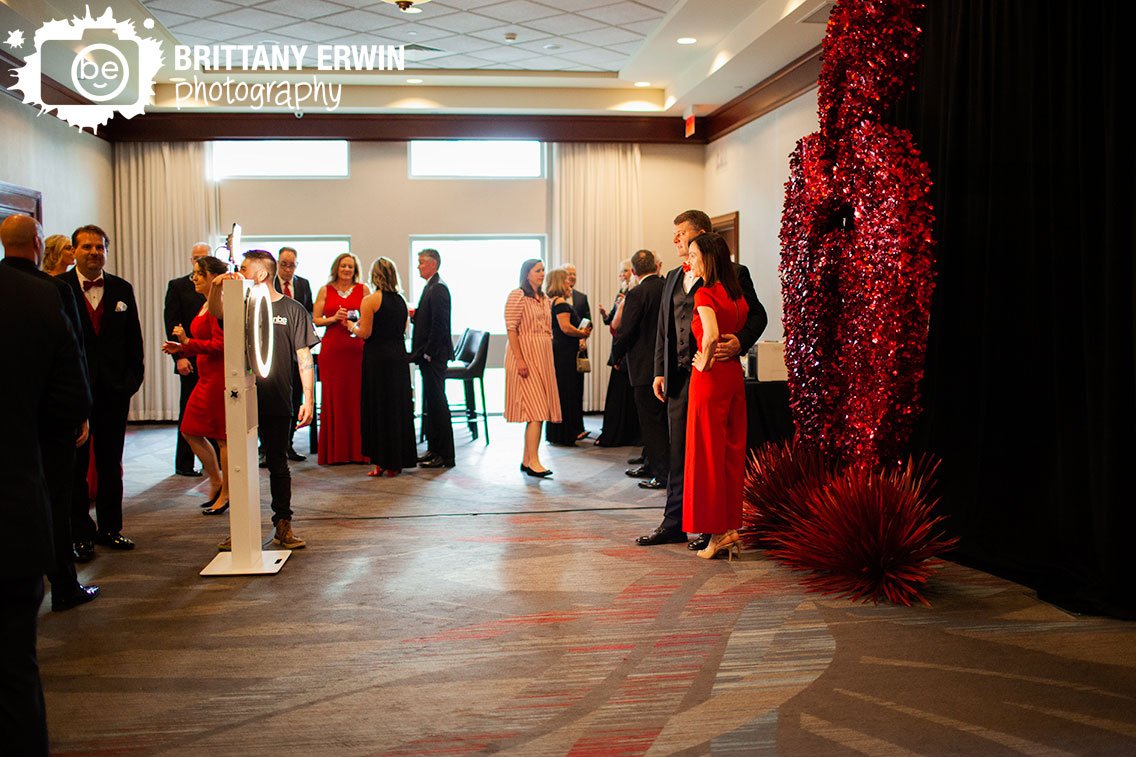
[(729, 542)]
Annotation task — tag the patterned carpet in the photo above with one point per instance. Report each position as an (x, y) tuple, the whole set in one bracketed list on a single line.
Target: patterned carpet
[(476, 610)]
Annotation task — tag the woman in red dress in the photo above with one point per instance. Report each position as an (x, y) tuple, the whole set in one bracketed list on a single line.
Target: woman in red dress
[(716, 414), (340, 364), (204, 416)]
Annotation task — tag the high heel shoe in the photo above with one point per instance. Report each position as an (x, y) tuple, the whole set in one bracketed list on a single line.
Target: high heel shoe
[(729, 542), (390, 473), (216, 510), (212, 500), (376, 472)]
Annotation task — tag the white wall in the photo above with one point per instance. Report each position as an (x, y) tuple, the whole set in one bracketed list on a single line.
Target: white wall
[(72, 169), (672, 180), (746, 171)]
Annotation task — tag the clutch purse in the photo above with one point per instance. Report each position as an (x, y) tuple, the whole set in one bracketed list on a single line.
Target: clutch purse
[(583, 364)]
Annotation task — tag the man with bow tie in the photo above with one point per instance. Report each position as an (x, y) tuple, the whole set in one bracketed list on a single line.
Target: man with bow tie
[(674, 356), (112, 336), (299, 289)]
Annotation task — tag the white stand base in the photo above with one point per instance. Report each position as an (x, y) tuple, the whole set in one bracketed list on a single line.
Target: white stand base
[(270, 561)]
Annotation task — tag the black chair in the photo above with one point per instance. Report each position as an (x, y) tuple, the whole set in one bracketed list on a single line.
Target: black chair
[(469, 364)]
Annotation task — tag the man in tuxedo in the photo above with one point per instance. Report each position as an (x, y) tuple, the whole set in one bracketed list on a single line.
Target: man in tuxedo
[(112, 337), (674, 355), (431, 348), (638, 331), (44, 375), (299, 289), (22, 237), (182, 305)]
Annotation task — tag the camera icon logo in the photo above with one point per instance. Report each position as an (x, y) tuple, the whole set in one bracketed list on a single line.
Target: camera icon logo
[(104, 72), (103, 61)]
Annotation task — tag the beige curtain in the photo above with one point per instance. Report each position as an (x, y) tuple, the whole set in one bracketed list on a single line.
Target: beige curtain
[(597, 222), (164, 203)]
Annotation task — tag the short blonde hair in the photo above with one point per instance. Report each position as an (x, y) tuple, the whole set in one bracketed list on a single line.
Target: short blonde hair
[(335, 267), (557, 282), (384, 276)]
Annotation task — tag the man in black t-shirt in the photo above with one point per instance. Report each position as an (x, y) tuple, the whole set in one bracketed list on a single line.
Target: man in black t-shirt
[(293, 334)]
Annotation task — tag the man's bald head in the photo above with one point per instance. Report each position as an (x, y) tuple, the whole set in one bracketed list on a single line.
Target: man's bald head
[(22, 237), (200, 250)]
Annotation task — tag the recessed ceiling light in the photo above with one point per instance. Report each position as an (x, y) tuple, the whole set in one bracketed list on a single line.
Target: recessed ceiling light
[(412, 34), (552, 47), (413, 81), (642, 84), (686, 40), (412, 9)]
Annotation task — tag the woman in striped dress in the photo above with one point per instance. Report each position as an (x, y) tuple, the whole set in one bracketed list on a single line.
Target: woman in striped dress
[(530, 379)]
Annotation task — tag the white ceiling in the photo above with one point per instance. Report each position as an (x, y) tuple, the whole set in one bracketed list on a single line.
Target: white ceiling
[(570, 56)]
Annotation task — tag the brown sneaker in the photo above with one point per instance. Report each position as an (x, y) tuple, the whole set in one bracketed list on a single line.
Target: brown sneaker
[(226, 546), (284, 536)]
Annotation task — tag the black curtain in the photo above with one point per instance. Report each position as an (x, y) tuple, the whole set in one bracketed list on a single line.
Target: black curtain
[(1030, 389)]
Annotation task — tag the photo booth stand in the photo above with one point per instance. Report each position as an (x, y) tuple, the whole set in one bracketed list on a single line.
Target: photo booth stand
[(247, 348)]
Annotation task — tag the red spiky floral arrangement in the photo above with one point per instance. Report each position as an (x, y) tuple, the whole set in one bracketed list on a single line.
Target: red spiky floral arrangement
[(856, 280)]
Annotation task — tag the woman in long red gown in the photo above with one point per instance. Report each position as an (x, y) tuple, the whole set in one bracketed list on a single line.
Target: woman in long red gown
[(204, 417), (340, 364), (716, 413)]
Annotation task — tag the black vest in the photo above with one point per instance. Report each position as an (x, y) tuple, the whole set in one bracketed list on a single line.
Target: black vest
[(683, 313)]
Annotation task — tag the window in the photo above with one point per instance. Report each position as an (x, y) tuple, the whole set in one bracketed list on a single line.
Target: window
[(280, 159), (469, 159), (480, 271)]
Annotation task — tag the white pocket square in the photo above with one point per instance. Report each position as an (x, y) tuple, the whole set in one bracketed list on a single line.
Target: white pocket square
[(120, 307)]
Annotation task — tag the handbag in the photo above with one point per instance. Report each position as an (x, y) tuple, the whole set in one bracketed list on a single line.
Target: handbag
[(583, 364)]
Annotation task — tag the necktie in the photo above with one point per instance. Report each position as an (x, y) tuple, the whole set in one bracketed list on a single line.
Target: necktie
[(287, 289), (89, 285)]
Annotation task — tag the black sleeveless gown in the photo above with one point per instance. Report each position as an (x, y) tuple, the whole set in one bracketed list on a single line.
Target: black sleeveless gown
[(387, 405)]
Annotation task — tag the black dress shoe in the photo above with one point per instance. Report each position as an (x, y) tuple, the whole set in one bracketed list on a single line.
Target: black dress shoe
[(699, 543), (295, 456), (437, 462), (662, 536), (114, 541), (191, 473), (640, 472), (81, 596), (426, 457), (653, 483), (637, 460), (84, 551)]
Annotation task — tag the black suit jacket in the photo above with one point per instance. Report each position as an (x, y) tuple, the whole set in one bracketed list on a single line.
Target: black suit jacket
[(114, 355), (70, 308), (183, 303), (46, 383), (431, 335), (301, 291), (580, 305), (638, 330), (666, 354)]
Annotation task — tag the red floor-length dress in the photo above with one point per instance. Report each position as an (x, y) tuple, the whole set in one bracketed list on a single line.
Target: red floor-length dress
[(341, 381), (715, 427), (205, 409)]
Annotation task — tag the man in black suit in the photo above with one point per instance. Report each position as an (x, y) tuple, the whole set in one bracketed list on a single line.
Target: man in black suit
[(674, 354), (638, 331), (44, 377), (22, 237), (182, 305), (431, 348), (112, 337), (299, 289)]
